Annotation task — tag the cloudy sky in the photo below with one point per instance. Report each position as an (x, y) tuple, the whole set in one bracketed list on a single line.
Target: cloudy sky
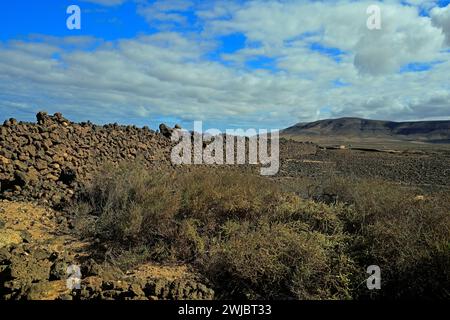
[(263, 64)]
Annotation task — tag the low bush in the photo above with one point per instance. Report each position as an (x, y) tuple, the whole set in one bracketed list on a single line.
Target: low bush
[(399, 229), (252, 239), (275, 261)]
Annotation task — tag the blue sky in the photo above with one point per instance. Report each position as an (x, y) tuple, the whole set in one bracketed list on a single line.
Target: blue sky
[(232, 64), (18, 19)]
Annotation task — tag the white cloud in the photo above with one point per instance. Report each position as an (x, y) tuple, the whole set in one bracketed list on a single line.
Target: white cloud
[(441, 18), (164, 13), (106, 2), (404, 37), (169, 74)]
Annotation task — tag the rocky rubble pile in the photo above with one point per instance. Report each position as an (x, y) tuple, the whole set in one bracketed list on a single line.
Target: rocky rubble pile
[(38, 255), (37, 273), (50, 159)]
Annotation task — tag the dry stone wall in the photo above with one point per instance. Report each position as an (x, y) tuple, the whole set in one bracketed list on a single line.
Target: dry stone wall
[(50, 159)]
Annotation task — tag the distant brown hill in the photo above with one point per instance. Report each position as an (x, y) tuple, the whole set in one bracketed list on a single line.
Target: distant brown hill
[(433, 131)]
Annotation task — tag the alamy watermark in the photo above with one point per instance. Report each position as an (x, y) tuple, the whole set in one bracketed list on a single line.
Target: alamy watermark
[(73, 277), (374, 19), (374, 281), (73, 22), (213, 147)]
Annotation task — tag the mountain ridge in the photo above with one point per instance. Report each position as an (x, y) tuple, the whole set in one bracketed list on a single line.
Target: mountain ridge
[(366, 128)]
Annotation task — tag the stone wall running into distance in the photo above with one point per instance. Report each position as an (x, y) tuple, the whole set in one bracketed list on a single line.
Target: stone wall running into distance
[(49, 160)]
